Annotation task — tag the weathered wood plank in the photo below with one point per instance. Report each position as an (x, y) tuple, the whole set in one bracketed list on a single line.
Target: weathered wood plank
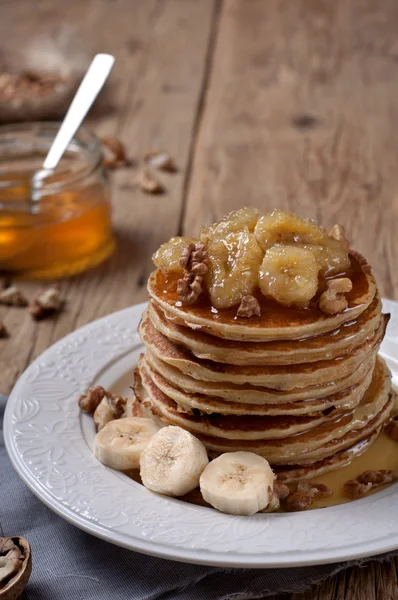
[(154, 92), (300, 113)]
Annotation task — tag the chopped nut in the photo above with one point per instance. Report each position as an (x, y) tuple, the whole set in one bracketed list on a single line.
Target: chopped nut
[(114, 152), (338, 233), (160, 160), (296, 502), (148, 183), (16, 87), (391, 428), (333, 300), (47, 303), (91, 399), (378, 477), (281, 490), (110, 408), (3, 331), (353, 489), (304, 495), (12, 296), (357, 488), (315, 490), (249, 307), (194, 260)]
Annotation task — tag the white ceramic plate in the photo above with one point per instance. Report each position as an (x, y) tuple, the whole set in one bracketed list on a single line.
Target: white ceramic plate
[(49, 443)]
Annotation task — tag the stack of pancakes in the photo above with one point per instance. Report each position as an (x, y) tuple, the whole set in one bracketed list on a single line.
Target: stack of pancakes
[(303, 389)]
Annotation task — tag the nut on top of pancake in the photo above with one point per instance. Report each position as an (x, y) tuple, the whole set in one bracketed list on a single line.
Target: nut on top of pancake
[(247, 257)]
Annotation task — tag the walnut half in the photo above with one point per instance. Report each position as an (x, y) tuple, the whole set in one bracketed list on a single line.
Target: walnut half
[(359, 487), (333, 300), (194, 260)]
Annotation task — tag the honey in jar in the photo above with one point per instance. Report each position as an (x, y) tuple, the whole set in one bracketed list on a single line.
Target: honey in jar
[(68, 229)]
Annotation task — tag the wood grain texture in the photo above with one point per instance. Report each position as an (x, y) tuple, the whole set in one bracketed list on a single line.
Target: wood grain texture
[(265, 103), (154, 93)]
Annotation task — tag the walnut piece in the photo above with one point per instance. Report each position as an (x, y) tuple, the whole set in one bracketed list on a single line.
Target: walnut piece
[(148, 183), (3, 331), (110, 408), (12, 296), (249, 307), (160, 159), (194, 260), (16, 87), (91, 399), (304, 495), (357, 488), (114, 152), (333, 300), (279, 492), (338, 233), (391, 428), (47, 303)]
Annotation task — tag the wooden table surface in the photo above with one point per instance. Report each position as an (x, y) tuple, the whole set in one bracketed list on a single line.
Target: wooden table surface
[(269, 103)]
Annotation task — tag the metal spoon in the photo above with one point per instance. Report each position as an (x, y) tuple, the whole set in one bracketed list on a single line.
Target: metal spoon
[(88, 90)]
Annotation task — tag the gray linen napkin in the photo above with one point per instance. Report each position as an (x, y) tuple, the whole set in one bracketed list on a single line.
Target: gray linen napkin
[(69, 564)]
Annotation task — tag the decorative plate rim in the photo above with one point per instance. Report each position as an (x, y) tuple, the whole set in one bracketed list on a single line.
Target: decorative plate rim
[(45, 441)]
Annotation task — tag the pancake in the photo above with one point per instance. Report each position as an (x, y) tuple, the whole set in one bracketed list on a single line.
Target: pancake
[(279, 455), (276, 322), (342, 401), (256, 394), (284, 377), (292, 473), (281, 434), (337, 343)]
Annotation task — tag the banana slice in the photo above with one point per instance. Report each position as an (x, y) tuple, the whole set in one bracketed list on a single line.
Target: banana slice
[(120, 443), (172, 462), (289, 274), (238, 483)]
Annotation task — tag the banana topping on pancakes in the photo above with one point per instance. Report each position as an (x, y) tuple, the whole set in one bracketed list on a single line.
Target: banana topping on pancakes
[(262, 336)]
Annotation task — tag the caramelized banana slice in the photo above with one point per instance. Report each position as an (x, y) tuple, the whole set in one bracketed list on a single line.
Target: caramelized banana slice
[(288, 228), (235, 221), (234, 263), (167, 258), (332, 259), (289, 274)]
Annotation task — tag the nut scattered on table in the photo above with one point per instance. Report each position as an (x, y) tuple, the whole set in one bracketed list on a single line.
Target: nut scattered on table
[(12, 296), (160, 159), (46, 303), (148, 183), (114, 152), (15, 566), (15, 87), (3, 331)]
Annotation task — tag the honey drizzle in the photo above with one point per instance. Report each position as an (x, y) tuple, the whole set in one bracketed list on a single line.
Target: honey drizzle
[(274, 314)]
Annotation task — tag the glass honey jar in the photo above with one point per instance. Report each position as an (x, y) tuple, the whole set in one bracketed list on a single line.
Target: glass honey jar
[(69, 229)]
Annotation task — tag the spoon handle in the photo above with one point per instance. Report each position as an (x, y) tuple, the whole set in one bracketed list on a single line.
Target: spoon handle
[(88, 90)]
